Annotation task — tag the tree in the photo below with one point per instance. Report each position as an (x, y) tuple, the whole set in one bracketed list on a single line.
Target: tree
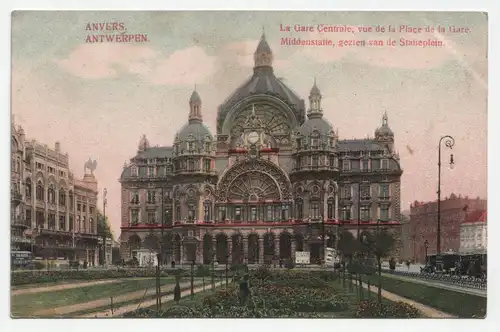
[(104, 231), (379, 244), (347, 244)]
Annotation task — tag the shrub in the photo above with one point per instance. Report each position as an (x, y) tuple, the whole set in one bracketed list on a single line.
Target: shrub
[(203, 271)]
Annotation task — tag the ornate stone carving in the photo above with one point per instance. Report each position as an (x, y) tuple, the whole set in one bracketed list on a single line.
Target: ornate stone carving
[(264, 167)]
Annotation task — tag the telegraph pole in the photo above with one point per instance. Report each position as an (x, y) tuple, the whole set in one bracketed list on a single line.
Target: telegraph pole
[(104, 202)]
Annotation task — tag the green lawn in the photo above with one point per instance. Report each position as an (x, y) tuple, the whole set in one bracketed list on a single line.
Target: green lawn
[(27, 304), (455, 303), (126, 303)]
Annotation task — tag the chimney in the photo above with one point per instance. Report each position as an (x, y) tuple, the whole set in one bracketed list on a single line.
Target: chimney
[(58, 147)]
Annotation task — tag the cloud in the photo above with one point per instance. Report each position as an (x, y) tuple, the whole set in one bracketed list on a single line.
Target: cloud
[(104, 60), (188, 66), (96, 61)]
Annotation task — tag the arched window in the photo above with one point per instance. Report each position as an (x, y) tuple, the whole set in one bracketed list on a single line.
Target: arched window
[(70, 198), (191, 212), (299, 209), (222, 213), (62, 197), (40, 191), (331, 208), (51, 194), (207, 211), (134, 171), (314, 210), (27, 188), (178, 211)]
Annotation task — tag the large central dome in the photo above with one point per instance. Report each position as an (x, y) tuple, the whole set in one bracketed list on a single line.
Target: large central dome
[(263, 81)]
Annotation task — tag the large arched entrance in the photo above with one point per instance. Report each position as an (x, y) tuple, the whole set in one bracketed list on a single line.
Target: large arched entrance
[(285, 246), (237, 249), (299, 241), (221, 251), (269, 248), (253, 249), (207, 249), (246, 185)]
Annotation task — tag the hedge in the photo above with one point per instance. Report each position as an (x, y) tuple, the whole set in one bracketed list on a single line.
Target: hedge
[(456, 303), (39, 277)]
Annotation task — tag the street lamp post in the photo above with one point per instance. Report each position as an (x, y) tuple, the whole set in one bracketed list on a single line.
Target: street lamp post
[(426, 246), (449, 142), (359, 209), (160, 261), (104, 203)]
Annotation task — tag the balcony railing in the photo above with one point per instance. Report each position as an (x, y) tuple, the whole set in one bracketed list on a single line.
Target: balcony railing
[(15, 195), (315, 168), (18, 221), (20, 239)]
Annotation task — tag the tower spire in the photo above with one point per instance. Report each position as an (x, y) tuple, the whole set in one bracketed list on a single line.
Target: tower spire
[(263, 56), (195, 107), (385, 121), (315, 102)]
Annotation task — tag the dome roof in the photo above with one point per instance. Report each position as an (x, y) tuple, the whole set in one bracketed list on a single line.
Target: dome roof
[(315, 89), (323, 126), (263, 46), (197, 130), (195, 97), (263, 81), (384, 130)]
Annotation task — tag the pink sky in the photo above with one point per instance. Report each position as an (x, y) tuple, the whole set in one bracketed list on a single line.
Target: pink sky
[(98, 99)]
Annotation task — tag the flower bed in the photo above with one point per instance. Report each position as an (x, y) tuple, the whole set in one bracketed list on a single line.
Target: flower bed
[(274, 295), (373, 309)]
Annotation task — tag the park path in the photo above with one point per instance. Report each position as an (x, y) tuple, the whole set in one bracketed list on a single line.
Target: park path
[(53, 288), (132, 307), (437, 284), (426, 310), (59, 311)]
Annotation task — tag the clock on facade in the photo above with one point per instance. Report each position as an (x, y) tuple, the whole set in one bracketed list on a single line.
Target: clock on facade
[(253, 137)]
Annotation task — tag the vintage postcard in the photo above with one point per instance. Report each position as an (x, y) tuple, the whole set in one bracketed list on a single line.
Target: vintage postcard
[(249, 164)]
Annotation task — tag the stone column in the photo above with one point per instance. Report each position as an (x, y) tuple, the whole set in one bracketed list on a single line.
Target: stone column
[(277, 247), (214, 249), (199, 252), (261, 250), (182, 253), (230, 250), (293, 249), (245, 249)]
